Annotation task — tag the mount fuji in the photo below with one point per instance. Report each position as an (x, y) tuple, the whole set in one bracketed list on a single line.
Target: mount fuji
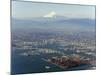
[(53, 14)]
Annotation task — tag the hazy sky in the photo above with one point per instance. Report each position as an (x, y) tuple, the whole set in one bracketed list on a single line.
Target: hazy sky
[(33, 9)]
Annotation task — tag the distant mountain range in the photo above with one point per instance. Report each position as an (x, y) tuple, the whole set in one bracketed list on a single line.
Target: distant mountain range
[(59, 19), (54, 22)]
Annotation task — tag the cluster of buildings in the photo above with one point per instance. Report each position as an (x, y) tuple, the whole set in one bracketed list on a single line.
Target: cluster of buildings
[(54, 46), (67, 61)]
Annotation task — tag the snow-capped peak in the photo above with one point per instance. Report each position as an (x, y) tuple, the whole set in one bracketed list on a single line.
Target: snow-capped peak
[(51, 14)]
